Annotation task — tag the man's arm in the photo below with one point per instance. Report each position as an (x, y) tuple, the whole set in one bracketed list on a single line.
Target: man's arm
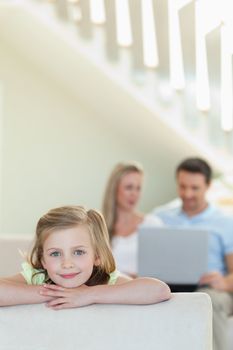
[(217, 281), (14, 291)]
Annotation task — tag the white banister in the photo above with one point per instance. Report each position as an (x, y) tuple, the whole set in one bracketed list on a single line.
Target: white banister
[(136, 32), (97, 10), (85, 25), (111, 47), (175, 49), (150, 46), (1, 153), (208, 17), (226, 78), (124, 32), (62, 9)]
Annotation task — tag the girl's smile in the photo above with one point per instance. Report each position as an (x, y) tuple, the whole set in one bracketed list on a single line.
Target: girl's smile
[(69, 275)]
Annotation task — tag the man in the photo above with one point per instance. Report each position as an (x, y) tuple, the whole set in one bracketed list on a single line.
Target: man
[(193, 177)]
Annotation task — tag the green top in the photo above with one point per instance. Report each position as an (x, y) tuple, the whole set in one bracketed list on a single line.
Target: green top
[(38, 279)]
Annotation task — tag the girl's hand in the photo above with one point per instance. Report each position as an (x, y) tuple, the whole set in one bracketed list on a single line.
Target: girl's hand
[(215, 280), (125, 291), (65, 298)]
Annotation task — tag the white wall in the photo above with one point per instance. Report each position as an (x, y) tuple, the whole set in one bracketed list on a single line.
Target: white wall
[(1, 148), (66, 122), (55, 150)]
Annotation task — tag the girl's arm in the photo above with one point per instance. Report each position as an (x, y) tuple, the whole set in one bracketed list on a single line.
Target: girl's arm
[(125, 291), (14, 291), (142, 290)]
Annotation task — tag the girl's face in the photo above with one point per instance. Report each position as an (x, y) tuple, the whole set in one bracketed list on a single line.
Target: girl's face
[(129, 190), (68, 256)]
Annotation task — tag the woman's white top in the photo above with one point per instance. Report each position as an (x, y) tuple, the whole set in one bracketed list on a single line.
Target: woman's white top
[(125, 248)]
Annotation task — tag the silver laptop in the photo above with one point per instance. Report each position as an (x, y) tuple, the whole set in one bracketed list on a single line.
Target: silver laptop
[(176, 256)]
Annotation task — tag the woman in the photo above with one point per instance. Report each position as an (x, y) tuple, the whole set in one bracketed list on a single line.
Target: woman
[(121, 197)]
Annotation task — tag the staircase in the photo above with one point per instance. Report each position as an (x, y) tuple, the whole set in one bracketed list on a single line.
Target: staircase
[(162, 85), (165, 95)]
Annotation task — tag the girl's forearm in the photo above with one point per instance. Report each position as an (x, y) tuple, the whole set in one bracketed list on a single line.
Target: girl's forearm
[(137, 291), (14, 293)]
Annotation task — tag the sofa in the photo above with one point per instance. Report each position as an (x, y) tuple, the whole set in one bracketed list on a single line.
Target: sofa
[(184, 322)]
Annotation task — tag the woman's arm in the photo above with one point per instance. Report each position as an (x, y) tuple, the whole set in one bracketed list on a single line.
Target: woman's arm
[(125, 291), (14, 291)]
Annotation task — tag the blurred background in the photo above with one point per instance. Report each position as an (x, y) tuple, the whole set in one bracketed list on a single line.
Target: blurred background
[(86, 84)]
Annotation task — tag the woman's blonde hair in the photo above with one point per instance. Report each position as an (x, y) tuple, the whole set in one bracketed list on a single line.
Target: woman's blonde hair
[(109, 202), (71, 216)]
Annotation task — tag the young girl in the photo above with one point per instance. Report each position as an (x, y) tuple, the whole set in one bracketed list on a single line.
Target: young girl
[(71, 265)]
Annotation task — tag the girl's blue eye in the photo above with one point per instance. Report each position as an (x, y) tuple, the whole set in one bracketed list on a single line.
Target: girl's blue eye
[(55, 253), (79, 252)]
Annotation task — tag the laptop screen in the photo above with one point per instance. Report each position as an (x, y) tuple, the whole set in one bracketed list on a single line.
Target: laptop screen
[(174, 255)]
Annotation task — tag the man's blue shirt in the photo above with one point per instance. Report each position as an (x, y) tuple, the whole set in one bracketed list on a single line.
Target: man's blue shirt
[(219, 226)]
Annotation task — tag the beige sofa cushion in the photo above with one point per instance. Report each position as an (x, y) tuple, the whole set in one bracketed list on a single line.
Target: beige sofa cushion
[(12, 249)]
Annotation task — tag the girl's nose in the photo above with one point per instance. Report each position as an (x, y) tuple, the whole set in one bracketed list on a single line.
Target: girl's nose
[(67, 263)]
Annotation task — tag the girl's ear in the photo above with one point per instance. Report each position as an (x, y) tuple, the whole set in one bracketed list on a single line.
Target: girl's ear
[(97, 261)]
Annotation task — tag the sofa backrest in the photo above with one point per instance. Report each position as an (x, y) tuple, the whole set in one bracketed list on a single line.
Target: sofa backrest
[(182, 323), (13, 248)]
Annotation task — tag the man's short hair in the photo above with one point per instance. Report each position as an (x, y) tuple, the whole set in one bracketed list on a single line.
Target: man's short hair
[(196, 165)]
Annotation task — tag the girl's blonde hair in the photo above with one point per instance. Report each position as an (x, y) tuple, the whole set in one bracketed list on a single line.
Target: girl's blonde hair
[(70, 216), (109, 207)]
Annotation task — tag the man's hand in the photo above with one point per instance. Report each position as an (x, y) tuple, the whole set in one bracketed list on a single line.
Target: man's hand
[(65, 298), (215, 280)]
